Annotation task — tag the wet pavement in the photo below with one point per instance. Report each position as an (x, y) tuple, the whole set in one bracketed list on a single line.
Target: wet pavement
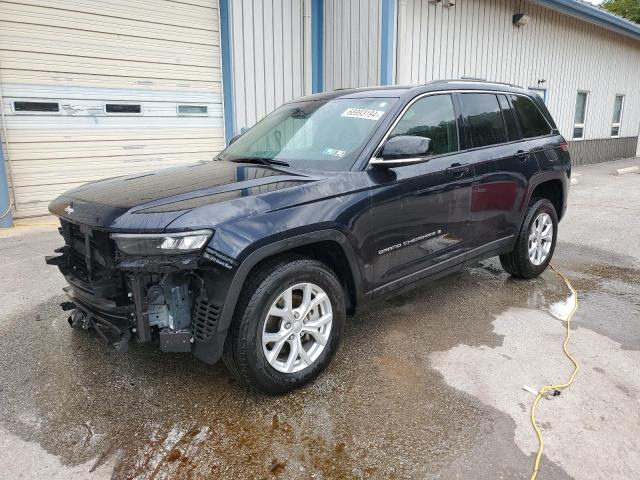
[(425, 385)]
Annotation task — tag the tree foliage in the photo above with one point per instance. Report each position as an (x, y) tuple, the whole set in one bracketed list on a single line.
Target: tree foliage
[(629, 9)]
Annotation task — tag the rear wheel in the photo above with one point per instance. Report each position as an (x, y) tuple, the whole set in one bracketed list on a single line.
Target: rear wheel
[(287, 325), (536, 242)]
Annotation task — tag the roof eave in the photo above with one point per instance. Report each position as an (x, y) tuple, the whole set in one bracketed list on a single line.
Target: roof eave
[(593, 15)]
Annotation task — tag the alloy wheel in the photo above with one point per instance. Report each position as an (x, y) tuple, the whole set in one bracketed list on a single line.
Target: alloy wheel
[(540, 239), (297, 328)]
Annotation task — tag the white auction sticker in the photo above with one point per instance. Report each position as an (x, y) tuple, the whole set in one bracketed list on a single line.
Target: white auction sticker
[(365, 113)]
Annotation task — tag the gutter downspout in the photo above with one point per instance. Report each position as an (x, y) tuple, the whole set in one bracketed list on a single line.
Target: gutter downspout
[(6, 216)]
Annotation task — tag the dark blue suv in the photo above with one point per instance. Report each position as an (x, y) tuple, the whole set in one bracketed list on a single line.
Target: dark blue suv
[(329, 202)]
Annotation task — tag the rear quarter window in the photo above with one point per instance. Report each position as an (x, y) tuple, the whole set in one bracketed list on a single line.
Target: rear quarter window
[(532, 122)]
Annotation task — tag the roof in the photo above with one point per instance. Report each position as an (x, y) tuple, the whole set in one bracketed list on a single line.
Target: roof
[(397, 91), (592, 14)]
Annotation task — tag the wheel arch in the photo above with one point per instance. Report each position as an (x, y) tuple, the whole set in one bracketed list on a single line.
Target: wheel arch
[(332, 247), (552, 190), (547, 184)]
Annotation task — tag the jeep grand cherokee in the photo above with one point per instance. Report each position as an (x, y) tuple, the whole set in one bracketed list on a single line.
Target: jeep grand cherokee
[(331, 201)]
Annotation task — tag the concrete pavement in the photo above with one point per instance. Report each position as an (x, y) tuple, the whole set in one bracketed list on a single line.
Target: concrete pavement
[(428, 385)]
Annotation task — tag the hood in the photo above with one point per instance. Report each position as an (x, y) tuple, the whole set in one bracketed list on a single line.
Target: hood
[(166, 194)]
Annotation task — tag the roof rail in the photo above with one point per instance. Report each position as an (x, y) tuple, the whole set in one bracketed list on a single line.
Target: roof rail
[(478, 80)]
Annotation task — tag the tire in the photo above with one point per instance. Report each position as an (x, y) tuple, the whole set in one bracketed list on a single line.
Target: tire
[(244, 352), (518, 262)]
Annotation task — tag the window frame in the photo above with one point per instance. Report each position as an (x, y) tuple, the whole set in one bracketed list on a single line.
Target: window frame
[(191, 114), (617, 124), (464, 147), (584, 120)]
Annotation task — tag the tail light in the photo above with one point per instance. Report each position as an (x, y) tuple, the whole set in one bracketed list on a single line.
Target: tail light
[(564, 147)]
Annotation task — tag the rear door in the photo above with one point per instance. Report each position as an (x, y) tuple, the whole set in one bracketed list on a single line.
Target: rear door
[(503, 164), (539, 130), (420, 212)]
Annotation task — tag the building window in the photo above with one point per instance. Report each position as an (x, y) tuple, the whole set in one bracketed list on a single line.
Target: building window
[(201, 110), (20, 106), (579, 117), (617, 115), (123, 108)]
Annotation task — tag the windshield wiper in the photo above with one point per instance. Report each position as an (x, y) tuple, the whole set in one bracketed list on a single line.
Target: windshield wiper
[(260, 160)]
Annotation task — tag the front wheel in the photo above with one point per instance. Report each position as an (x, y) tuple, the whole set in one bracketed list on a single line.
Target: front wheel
[(287, 325), (536, 241)]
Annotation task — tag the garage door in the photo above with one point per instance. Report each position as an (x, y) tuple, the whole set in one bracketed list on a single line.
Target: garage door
[(94, 89)]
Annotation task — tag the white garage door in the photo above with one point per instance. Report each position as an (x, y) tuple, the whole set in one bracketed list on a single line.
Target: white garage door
[(94, 89)]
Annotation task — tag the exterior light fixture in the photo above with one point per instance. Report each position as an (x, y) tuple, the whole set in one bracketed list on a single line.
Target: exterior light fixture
[(520, 19)]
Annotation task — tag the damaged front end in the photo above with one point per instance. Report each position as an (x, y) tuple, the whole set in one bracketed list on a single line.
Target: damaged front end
[(163, 288)]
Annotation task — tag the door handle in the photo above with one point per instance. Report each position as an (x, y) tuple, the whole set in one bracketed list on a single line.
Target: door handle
[(522, 155), (457, 170)]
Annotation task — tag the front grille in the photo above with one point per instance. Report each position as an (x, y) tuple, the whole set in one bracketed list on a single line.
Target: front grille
[(100, 252), (204, 319)]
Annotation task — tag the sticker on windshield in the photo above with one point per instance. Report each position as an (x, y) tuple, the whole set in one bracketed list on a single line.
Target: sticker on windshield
[(333, 152), (365, 113)]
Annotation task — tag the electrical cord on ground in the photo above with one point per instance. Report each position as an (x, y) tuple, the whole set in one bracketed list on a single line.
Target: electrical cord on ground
[(555, 390)]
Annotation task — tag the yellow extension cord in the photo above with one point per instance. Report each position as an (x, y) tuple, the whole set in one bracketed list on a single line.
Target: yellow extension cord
[(550, 388)]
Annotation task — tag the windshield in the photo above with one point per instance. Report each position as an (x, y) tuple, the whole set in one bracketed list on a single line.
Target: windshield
[(316, 134)]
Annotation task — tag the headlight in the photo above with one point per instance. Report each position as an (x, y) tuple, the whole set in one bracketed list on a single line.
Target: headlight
[(161, 243)]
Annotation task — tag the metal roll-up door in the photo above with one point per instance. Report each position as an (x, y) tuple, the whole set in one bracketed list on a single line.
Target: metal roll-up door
[(99, 89)]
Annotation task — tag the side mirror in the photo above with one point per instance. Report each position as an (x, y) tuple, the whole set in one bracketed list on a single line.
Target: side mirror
[(403, 150)]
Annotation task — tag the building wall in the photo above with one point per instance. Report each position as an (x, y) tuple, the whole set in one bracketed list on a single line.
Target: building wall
[(271, 56), (351, 43), (476, 38), (86, 54)]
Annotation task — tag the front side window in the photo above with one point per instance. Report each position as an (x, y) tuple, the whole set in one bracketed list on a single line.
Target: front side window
[(532, 122), (431, 117), (580, 115), (617, 115), (315, 134), (484, 116)]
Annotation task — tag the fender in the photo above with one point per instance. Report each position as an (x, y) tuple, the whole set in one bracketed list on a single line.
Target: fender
[(537, 179), (210, 351), (282, 246)]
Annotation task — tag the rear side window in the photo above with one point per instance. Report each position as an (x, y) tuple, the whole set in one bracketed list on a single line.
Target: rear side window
[(509, 118), (431, 117), (532, 122), (484, 118)]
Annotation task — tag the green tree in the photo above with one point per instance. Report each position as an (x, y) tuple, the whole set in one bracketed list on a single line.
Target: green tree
[(629, 9)]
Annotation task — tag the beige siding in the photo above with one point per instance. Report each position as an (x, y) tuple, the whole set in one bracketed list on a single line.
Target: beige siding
[(476, 38), (351, 43), (83, 54), (271, 56)]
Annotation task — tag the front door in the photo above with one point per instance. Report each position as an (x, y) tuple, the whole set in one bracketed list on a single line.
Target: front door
[(420, 212)]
